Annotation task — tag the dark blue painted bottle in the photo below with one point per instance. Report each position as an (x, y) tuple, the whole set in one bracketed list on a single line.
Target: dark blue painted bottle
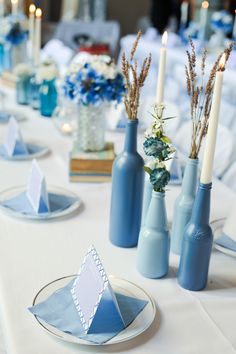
[(197, 243), (127, 191)]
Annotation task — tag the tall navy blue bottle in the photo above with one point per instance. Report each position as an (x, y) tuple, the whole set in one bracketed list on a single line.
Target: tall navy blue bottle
[(197, 243), (127, 191)]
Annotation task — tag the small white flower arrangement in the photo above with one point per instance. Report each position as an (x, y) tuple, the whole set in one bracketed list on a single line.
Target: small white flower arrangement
[(22, 70), (47, 71)]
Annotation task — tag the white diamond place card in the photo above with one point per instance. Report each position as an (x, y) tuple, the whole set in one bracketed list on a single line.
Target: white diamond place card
[(93, 296), (37, 190), (13, 142)]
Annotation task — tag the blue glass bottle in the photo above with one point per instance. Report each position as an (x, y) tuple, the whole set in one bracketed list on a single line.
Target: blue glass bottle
[(197, 243), (1, 57), (34, 93), (48, 97), (23, 90), (154, 240), (127, 191)]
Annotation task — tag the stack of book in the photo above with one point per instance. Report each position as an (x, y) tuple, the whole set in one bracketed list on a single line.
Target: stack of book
[(92, 166)]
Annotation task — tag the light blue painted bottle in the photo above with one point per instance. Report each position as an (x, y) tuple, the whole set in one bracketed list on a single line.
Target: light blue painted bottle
[(154, 240), (197, 243), (184, 205), (127, 192), (48, 98), (147, 196)]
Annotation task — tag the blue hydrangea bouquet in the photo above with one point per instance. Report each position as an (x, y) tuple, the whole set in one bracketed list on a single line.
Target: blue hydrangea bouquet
[(93, 84), (94, 81), (13, 40)]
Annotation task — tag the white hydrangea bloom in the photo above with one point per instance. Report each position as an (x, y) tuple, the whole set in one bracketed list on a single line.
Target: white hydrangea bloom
[(22, 70), (47, 71)]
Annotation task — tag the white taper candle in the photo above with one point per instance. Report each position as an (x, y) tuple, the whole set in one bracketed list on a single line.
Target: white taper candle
[(32, 9), (234, 29), (208, 159), (2, 2), (37, 36), (203, 19), (184, 12), (14, 7), (162, 70)]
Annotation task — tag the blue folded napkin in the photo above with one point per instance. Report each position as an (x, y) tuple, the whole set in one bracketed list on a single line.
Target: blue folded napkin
[(59, 311), (31, 150), (21, 204), (5, 117), (226, 242)]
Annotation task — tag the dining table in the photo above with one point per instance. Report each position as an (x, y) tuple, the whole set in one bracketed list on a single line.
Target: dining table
[(35, 253)]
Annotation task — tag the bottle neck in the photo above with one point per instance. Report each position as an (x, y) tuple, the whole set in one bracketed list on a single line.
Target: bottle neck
[(131, 136), (201, 208), (156, 215), (190, 178)]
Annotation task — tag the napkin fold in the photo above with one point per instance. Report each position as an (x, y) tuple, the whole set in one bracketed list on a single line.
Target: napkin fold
[(59, 311), (4, 117), (31, 150), (21, 203), (226, 242), (228, 237)]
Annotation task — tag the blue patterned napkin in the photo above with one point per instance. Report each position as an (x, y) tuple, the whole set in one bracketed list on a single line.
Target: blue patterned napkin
[(21, 204), (31, 150), (226, 242), (59, 311)]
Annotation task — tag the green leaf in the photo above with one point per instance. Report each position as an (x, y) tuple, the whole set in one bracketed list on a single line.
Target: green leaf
[(165, 139), (147, 169), (169, 118)]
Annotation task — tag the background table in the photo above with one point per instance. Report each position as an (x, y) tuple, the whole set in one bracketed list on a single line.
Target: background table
[(33, 254)]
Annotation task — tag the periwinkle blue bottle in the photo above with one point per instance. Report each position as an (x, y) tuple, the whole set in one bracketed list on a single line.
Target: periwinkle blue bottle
[(127, 191), (184, 205), (147, 195), (197, 243), (154, 240), (48, 98)]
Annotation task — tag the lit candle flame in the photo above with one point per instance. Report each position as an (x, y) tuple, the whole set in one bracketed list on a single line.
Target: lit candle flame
[(32, 9), (38, 13), (164, 38), (222, 62), (66, 128), (205, 4), (14, 2)]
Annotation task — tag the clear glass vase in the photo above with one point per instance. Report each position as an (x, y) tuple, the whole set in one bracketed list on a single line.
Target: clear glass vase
[(91, 126)]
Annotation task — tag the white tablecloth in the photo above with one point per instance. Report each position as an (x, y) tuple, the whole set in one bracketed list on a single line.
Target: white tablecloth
[(34, 253)]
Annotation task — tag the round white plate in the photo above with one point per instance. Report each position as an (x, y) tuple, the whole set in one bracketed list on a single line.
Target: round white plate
[(19, 116), (13, 192), (217, 228), (138, 326), (45, 150)]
